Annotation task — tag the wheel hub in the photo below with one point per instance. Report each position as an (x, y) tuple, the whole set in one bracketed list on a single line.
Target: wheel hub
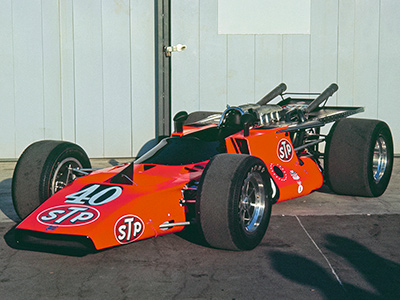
[(380, 159), (252, 202), (63, 174)]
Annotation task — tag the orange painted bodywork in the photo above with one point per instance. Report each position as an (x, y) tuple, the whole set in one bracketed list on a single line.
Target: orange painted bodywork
[(297, 176), (133, 212), (154, 199)]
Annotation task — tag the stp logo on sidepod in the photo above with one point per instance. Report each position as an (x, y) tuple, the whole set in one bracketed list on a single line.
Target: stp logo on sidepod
[(128, 229), (285, 150)]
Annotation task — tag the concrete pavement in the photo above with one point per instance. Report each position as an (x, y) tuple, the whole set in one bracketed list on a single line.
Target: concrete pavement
[(322, 246)]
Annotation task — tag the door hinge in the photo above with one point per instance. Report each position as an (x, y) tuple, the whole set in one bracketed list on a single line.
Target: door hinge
[(178, 48)]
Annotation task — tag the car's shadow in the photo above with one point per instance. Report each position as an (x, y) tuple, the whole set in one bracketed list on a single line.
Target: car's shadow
[(60, 248), (6, 205), (325, 190), (190, 234), (193, 235), (382, 274)]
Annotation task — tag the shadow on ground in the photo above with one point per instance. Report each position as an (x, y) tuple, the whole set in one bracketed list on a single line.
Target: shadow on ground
[(69, 246), (65, 245), (6, 205), (381, 274)]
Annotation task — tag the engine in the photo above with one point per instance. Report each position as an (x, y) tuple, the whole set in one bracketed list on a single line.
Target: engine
[(266, 114)]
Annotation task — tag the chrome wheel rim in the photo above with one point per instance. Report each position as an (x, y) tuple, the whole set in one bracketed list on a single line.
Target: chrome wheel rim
[(380, 159), (63, 174), (252, 202)]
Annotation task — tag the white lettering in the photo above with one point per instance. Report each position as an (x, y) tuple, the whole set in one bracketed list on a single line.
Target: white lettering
[(81, 196), (83, 216), (116, 193), (52, 215), (129, 222), (137, 228), (73, 211), (121, 230), (128, 228), (94, 195), (285, 150)]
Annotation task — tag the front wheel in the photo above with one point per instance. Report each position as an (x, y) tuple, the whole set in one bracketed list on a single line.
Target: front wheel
[(234, 202), (359, 157), (43, 169)]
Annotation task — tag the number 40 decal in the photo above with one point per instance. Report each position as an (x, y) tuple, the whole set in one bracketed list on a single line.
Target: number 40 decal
[(95, 195)]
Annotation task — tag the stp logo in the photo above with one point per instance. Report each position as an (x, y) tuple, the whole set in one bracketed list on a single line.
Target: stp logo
[(68, 215), (285, 150), (128, 229)]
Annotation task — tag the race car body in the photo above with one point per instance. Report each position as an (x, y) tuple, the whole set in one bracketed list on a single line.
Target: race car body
[(109, 213), (220, 172)]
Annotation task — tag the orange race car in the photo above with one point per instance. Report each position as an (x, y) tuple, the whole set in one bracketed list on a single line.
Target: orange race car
[(218, 172)]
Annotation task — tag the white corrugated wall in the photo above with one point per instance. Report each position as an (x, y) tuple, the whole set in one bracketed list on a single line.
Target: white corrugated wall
[(83, 70), (353, 43)]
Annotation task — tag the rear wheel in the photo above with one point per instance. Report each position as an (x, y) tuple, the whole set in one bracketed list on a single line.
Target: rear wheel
[(234, 202), (359, 157), (43, 169)]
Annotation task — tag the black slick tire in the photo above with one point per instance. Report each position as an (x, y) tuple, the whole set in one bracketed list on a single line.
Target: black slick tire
[(359, 157), (36, 175), (234, 202)]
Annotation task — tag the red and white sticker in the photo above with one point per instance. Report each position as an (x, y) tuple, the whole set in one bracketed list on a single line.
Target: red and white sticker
[(68, 215), (278, 172), (128, 229), (285, 150)]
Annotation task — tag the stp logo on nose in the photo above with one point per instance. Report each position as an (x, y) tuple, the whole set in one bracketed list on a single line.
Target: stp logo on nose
[(128, 229), (68, 215)]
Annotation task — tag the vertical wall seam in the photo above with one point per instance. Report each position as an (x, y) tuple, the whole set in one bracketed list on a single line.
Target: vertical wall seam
[(14, 79), (254, 68), (227, 70), (102, 78), (309, 61), (379, 56), (282, 57), (43, 73), (130, 80), (75, 122), (60, 38), (199, 56), (337, 48), (309, 48), (354, 46)]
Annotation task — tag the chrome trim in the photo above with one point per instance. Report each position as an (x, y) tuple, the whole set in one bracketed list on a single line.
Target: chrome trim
[(379, 159), (168, 225)]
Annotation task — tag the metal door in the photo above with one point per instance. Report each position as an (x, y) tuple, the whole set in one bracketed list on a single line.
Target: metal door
[(223, 67)]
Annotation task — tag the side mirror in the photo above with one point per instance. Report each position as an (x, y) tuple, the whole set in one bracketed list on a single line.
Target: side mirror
[(179, 119), (247, 120)]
